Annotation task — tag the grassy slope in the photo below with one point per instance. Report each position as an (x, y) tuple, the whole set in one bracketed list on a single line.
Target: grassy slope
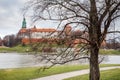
[(113, 74), (22, 49), (110, 51), (19, 49), (31, 73)]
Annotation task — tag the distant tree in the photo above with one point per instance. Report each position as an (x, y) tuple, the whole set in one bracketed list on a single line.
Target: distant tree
[(113, 43), (9, 40), (93, 16), (5, 41), (18, 40), (1, 42)]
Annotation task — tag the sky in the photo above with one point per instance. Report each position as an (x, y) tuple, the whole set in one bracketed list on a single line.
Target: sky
[(11, 16)]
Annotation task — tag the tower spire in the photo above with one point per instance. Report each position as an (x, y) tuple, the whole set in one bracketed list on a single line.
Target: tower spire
[(24, 23)]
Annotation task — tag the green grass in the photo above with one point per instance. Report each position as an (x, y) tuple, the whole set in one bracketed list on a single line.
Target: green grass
[(19, 49), (109, 52), (113, 74), (22, 49), (31, 73)]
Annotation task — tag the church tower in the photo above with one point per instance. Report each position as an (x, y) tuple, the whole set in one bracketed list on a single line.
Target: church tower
[(24, 23)]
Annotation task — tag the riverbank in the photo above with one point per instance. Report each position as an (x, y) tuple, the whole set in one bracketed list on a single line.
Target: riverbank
[(109, 52), (32, 73), (28, 49), (17, 49)]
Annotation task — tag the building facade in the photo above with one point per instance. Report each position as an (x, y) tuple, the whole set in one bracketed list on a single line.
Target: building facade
[(34, 34)]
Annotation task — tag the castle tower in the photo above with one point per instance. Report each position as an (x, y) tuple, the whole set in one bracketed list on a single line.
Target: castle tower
[(24, 23), (67, 30)]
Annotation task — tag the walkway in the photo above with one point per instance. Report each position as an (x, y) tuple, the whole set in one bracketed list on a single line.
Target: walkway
[(72, 74)]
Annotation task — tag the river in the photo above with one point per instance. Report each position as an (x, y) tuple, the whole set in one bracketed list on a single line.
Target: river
[(14, 60)]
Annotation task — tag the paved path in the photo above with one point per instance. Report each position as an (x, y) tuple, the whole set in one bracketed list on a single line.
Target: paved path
[(72, 74)]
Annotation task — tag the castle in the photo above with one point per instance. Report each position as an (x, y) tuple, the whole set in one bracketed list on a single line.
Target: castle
[(34, 34)]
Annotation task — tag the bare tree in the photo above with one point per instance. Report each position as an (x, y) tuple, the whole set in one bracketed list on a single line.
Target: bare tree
[(94, 17), (9, 40), (1, 42), (113, 43)]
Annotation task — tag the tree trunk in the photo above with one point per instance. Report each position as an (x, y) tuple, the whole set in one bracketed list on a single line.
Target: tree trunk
[(94, 64)]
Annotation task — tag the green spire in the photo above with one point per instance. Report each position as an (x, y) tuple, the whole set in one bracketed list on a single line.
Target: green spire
[(24, 23)]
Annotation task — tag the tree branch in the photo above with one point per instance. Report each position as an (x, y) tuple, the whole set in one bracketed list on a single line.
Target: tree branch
[(113, 32)]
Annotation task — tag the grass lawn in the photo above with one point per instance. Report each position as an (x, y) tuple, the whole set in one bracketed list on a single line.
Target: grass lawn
[(19, 49), (113, 74), (31, 73), (109, 52), (23, 49)]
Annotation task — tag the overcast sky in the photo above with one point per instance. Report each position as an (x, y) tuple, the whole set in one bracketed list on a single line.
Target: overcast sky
[(11, 16)]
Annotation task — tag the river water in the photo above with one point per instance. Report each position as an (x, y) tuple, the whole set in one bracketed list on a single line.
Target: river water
[(14, 60)]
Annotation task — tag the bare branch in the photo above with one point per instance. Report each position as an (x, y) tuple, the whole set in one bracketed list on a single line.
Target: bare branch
[(113, 32)]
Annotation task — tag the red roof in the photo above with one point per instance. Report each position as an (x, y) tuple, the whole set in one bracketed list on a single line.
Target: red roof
[(23, 30)]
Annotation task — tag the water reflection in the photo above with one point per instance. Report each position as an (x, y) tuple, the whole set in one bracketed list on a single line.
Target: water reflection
[(14, 60)]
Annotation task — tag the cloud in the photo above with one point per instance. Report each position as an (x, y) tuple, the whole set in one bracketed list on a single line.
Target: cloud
[(10, 16)]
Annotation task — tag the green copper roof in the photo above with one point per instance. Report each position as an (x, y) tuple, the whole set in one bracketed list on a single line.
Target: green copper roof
[(24, 23)]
